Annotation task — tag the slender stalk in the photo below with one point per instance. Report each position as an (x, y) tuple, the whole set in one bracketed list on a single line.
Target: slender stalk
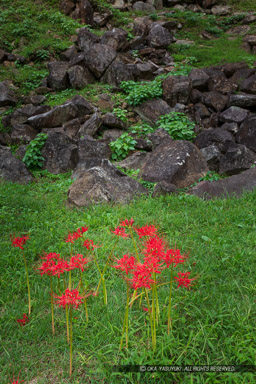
[(52, 305), (150, 318), (170, 302), (105, 297), (86, 310), (134, 243), (125, 324), (67, 321), (105, 267), (69, 281), (154, 316), (71, 337), (26, 268)]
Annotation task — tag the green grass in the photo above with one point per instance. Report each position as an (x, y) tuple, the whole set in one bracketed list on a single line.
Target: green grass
[(213, 323)]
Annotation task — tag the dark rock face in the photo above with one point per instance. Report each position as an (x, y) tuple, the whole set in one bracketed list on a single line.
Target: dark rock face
[(116, 73), (164, 188), (221, 138), (199, 79), (98, 58), (91, 153), (7, 97), (233, 115), (91, 126), (110, 120), (116, 38), (59, 115), (243, 100), (112, 134), (22, 133), (178, 162), (176, 89), (58, 76), (158, 137), (135, 161), (159, 37), (212, 156), (60, 153), (215, 100), (151, 110), (12, 169), (86, 39), (249, 85), (21, 115), (234, 185), (247, 133), (236, 159), (102, 185), (79, 77)]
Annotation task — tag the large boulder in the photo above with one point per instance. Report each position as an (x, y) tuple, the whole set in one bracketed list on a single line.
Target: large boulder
[(215, 100), (219, 137), (7, 96), (57, 116), (117, 72), (103, 184), (91, 126), (91, 153), (98, 58), (243, 100), (199, 79), (60, 153), (151, 110), (159, 37), (86, 39), (79, 77), (176, 89), (21, 115), (249, 85), (116, 38), (177, 162), (237, 158), (247, 133), (233, 115), (233, 185), (58, 75), (13, 169)]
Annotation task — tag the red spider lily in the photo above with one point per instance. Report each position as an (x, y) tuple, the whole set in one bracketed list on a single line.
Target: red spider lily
[(154, 247), (23, 321), (51, 256), (126, 264), (14, 381), (52, 268), (153, 265), (173, 256), (78, 261), (183, 279), (19, 241), (75, 235), (89, 244), (147, 230), (120, 232), (145, 309), (127, 223), (84, 229), (70, 298), (141, 277)]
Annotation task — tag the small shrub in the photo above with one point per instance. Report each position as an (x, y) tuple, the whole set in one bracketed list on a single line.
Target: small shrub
[(122, 146), (121, 114), (141, 129), (33, 158), (178, 126), (139, 92)]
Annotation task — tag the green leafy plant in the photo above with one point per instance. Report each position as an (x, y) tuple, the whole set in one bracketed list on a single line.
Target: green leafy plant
[(211, 176), (178, 125), (154, 16), (33, 158), (141, 129), (122, 146), (121, 114), (139, 92)]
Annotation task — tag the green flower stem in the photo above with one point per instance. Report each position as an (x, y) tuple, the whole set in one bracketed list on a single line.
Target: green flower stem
[(154, 317), (126, 323), (71, 337), (170, 302), (26, 268), (105, 267), (52, 305), (86, 310), (105, 296), (67, 321), (134, 243), (150, 319), (69, 281)]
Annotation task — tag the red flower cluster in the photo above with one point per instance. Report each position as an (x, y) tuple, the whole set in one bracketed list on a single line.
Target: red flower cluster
[(75, 235), (51, 267), (77, 261), (23, 321), (89, 244), (147, 230), (125, 264), (183, 279), (120, 232), (70, 298), (19, 241), (127, 223)]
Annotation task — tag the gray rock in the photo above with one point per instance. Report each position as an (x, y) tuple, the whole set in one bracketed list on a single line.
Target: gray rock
[(145, 7), (215, 100), (86, 39), (233, 115), (158, 137), (116, 73), (98, 58), (13, 169), (237, 158), (22, 133), (151, 110), (212, 156), (159, 37), (176, 89), (231, 127), (79, 77), (233, 185), (219, 10), (111, 120), (7, 96), (112, 134), (243, 100), (60, 153), (199, 79), (163, 188), (247, 133), (249, 85), (103, 184), (177, 162), (135, 161), (58, 76), (116, 38), (221, 138), (91, 126)]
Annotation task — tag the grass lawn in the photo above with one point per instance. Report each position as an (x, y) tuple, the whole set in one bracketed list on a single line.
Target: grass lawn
[(213, 322)]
